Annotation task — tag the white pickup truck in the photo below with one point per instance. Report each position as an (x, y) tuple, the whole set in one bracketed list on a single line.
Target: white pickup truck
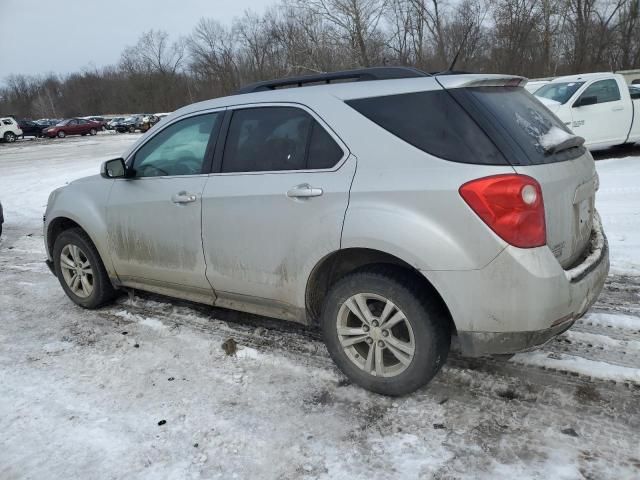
[(600, 107)]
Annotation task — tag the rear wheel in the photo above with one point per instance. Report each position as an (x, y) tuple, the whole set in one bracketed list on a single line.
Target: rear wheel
[(132, 129), (384, 333), (80, 270), (93, 131), (10, 137), (61, 134)]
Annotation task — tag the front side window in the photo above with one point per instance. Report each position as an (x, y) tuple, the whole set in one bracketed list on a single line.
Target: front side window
[(604, 90), (277, 139), (179, 149)]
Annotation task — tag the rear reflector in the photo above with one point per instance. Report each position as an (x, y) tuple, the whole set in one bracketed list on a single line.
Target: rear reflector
[(511, 205)]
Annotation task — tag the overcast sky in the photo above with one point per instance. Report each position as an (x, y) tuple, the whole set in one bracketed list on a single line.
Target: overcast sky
[(63, 36)]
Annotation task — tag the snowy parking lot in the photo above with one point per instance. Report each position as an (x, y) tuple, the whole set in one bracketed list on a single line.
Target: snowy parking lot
[(143, 388)]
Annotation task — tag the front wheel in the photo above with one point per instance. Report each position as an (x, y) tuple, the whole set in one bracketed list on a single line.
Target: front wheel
[(384, 333), (10, 137), (132, 129), (61, 134), (80, 270)]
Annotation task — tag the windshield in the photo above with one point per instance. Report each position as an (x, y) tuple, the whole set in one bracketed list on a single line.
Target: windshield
[(130, 119), (62, 123), (560, 92)]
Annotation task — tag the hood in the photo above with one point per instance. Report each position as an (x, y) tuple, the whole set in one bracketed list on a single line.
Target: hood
[(550, 104), (90, 178)]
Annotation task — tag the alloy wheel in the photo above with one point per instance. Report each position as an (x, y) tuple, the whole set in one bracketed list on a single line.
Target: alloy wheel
[(375, 335), (76, 270)]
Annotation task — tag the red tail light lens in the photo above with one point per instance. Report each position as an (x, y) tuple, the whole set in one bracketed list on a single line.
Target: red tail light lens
[(511, 205)]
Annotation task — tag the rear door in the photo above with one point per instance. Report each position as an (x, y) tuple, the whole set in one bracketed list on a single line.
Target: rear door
[(607, 121), (276, 205), (520, 126)]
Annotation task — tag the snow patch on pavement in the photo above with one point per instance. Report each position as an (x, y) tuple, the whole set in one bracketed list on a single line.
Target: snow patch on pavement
[(582, 366)]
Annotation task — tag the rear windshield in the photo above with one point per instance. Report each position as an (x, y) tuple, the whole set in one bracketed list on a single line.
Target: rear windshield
[(433, 122), (519, 123)]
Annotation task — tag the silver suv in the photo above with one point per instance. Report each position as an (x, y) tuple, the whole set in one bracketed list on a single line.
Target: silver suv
[(395, 211)]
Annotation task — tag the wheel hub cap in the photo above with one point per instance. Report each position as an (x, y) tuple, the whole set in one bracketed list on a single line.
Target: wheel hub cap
[(375, 335), (77, 271)]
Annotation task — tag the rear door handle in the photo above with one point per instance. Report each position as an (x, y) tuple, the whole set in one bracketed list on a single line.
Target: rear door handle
[(183, 197), (304, 191), (617, 109)]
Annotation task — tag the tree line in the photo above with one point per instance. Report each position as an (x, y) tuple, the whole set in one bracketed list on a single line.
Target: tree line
[(534, 38)]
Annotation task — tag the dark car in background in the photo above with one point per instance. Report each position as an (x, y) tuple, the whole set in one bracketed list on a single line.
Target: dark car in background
[(72, 126), (48, 122), (1, 218), (111, 124), (30, 128), (129, 124)]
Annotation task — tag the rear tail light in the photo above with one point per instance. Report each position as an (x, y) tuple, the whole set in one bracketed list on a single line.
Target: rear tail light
[(511, 205)]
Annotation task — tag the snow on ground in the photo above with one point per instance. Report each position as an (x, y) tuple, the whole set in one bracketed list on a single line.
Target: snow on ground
[(143, 389), (618, 202)]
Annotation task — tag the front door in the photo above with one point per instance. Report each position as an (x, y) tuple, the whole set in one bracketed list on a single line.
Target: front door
[(154, 219), (600, 123), (275, 208)]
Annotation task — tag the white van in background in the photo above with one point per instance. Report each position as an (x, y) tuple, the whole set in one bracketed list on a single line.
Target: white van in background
[(600, 107), (9, 130)]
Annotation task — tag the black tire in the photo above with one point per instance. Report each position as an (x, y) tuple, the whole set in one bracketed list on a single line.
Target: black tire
[(93, 131), (10, 137), (103, 290), (132, 129), (61, 134), (428, 321)]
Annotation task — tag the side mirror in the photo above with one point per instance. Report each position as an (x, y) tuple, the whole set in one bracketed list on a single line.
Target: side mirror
[(115, 168), (583, 101)]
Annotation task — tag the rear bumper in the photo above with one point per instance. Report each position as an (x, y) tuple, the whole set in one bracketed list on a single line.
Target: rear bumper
[(475, 344), (523, 298)]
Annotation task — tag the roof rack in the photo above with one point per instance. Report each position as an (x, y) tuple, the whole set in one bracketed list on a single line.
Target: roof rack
[(359, 75)]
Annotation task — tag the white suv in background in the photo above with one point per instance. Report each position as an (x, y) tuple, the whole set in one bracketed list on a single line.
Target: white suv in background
[(9, 130), (394, 211)]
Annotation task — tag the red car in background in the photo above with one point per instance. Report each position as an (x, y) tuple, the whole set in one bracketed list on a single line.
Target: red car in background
[(72, 126)]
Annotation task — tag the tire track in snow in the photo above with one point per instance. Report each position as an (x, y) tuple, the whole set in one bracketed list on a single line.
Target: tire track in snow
[(305, 346)]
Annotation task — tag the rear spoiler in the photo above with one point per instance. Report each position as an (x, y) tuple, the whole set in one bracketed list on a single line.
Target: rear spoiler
[(467, 81)]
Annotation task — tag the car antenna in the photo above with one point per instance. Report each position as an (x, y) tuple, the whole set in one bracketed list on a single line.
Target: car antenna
[(462, 44)]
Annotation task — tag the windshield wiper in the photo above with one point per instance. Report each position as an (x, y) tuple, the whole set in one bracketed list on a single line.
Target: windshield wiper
[(557, 140)]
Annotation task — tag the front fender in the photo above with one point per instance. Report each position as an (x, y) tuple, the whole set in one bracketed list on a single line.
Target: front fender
[(83, 202)]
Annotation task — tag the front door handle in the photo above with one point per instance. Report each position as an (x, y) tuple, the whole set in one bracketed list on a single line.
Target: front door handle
[(617, 109), (304, 191), (183, 197)]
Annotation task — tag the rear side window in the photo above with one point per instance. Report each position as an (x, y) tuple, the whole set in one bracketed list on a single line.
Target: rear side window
[(324, 152), (522, 118), (433, 122), (267, 139)]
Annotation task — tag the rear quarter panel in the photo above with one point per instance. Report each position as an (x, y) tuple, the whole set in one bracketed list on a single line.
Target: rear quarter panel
[(405, 202)]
